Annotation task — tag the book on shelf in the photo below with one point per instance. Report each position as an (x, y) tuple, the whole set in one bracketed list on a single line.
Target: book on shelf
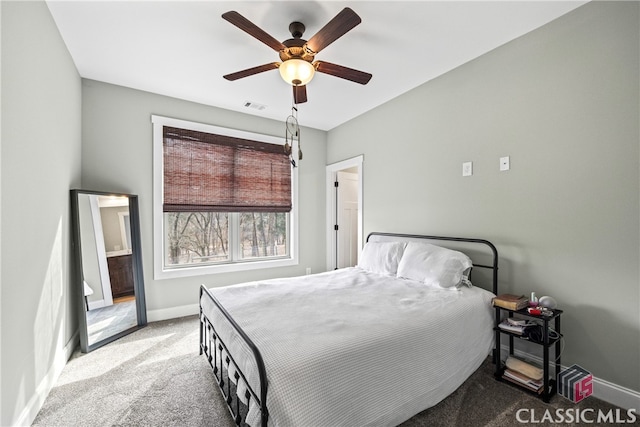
[(520, 377), (526, 387), (526, 369), (510, 302)]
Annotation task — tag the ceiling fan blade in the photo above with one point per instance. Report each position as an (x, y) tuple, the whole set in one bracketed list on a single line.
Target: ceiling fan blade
[(252, 29), (342, 72), (336, 28), (300, 94), (251, 71)]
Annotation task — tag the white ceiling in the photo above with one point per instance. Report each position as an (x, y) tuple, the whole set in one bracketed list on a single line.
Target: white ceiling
[(183, 48)]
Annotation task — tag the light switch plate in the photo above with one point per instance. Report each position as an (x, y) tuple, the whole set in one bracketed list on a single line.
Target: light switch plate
[(467, 169), (504, 163)]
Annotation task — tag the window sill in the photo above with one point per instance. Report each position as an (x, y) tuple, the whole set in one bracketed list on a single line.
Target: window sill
[(172, 273)]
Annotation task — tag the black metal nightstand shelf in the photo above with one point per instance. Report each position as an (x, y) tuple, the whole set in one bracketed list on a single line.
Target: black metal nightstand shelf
[(549, 384)]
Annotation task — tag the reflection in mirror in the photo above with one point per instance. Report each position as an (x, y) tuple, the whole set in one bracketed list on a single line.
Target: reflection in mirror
[(108, 266)]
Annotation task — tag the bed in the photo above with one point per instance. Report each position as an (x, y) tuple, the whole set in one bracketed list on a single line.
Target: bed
[(370, 345)]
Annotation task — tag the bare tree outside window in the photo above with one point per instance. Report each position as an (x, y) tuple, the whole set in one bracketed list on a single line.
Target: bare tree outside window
[(263, 234), (203, 237), (196, 237)]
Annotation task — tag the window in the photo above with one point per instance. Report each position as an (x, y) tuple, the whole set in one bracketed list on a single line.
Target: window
[(224, 200)]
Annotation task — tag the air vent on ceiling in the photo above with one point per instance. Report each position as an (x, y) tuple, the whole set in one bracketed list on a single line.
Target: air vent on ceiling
[(254, 105)]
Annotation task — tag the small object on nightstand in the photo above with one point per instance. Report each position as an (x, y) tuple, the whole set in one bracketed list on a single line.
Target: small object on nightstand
[(548, 302), (547, 312)]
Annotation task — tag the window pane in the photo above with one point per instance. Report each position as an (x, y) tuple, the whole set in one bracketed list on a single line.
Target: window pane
[(263, 234), (196, 237)]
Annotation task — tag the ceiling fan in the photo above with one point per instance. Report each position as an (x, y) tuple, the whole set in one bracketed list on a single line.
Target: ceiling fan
[(297, 55)]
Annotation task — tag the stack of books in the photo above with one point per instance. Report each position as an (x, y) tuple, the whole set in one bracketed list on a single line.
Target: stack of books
[(511, 302), (523, 374), (523, 380)]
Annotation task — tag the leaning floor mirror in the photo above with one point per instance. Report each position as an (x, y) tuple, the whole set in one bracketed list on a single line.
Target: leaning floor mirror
[(108, 261)]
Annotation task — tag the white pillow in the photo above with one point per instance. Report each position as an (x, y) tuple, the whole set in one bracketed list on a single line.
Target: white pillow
[(434, 265), (381, 257)]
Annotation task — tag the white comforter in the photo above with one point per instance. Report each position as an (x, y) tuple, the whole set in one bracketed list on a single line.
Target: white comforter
[(352, 348)]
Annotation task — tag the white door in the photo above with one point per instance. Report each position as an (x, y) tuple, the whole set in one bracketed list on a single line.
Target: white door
[(347, 219), (344, 217)]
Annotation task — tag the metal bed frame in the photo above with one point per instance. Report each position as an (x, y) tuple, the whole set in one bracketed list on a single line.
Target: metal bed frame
[(214, 348)]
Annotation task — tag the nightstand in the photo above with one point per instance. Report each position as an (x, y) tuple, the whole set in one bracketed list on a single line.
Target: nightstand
[(549, 384)]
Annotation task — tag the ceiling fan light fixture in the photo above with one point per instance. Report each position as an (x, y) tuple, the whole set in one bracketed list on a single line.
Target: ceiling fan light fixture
[(296, 72), (297, 55)]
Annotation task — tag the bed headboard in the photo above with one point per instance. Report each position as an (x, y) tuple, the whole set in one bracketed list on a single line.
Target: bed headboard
[(483, 253)]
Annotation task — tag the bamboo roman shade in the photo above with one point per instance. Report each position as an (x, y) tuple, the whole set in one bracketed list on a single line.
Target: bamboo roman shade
[(208, 172)]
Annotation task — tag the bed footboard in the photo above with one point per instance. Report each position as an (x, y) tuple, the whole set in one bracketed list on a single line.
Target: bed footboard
[(220, 360)]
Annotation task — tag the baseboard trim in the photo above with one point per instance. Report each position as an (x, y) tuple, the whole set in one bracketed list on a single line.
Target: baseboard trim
[(617, 395), (30, 411), (603, 390), (172, 312)]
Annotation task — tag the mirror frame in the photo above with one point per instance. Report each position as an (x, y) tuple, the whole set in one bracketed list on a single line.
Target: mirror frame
[(136, 258)]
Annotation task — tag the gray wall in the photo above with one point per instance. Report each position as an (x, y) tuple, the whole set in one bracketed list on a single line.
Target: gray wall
[(40, 162), (117, 156), (562, 102)]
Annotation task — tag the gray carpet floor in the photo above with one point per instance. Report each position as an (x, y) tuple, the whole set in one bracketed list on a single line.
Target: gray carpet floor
[(155, 377)]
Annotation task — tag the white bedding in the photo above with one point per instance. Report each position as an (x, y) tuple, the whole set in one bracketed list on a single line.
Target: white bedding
[(353, 348)]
